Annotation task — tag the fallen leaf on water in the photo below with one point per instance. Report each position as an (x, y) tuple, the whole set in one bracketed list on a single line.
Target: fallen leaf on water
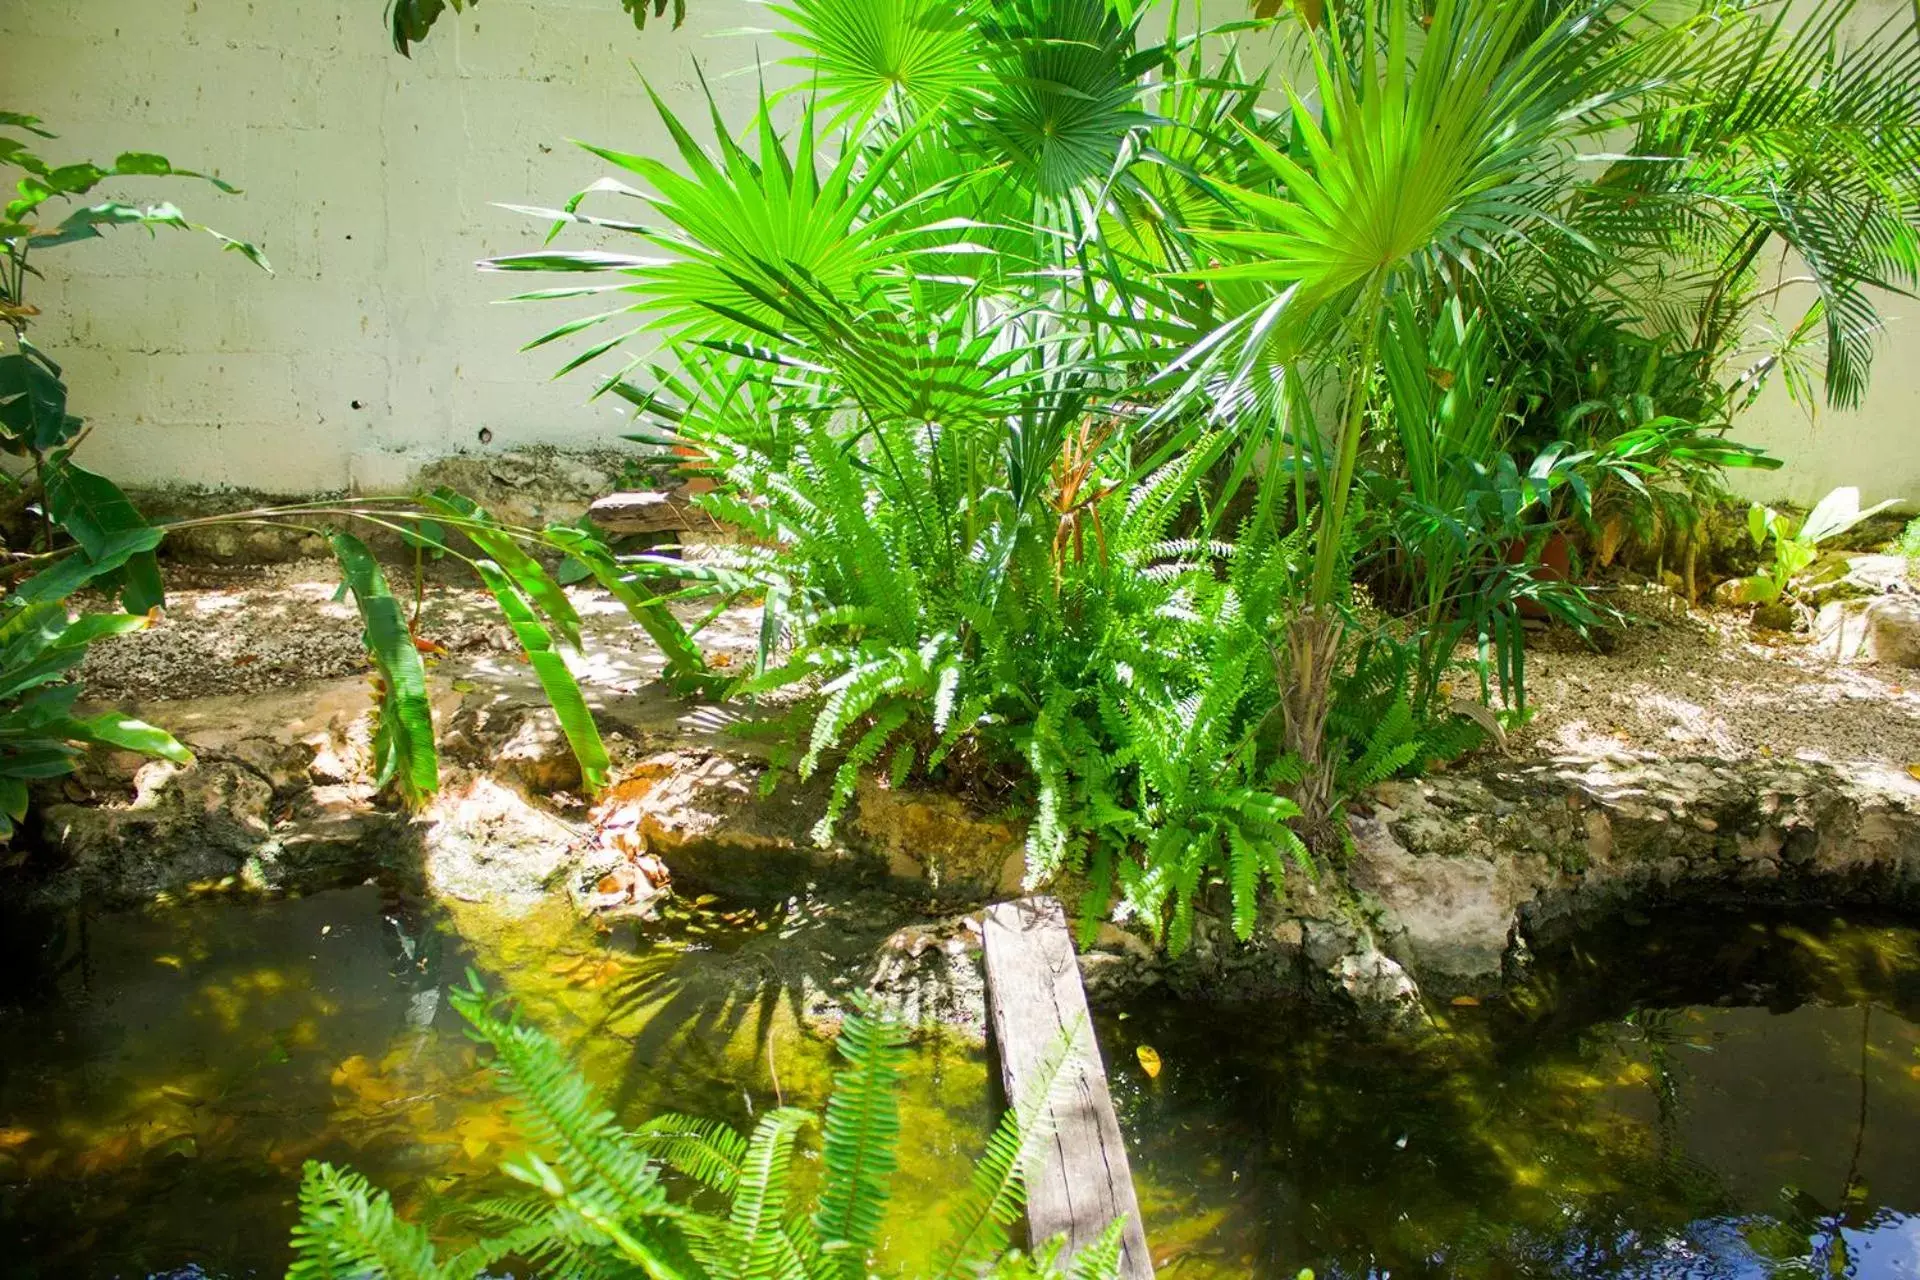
[(1149, 1060), (1466, 1002), (11, 1138)]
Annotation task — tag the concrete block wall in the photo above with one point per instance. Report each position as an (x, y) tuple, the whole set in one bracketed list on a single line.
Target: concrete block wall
[(370, 182)]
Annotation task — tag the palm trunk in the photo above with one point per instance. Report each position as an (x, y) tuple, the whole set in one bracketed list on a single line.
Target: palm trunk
[(1305, 673), (1312, 656)]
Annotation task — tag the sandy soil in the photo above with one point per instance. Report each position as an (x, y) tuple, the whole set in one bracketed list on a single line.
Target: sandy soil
[(1678, 682)]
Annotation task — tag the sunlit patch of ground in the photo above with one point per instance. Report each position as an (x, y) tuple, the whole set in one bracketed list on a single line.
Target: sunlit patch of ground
[(1701, 683)]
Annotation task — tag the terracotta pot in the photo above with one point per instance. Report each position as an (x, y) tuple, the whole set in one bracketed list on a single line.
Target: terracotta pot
[(1556, 565)]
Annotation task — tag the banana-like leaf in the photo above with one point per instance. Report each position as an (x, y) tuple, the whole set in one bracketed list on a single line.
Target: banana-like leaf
[(528, 576), (33, 402), (562, 690), (76, 568), (403, 744), (117, 730), (684, 658)]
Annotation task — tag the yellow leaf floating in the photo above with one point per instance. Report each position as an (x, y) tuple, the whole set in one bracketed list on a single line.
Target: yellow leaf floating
[(1149, 1060), (1466, 1002), (1913, 771)]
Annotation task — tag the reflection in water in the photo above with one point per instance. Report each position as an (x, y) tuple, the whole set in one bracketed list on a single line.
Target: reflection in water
[(166, 1073), (1699, 1098)]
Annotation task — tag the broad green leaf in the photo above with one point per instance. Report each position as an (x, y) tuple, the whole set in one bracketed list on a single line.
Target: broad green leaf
[(75, 569), (683, 656), (115, 729), (33, 401), (528, 575), (562, 690), (1836, 513), (13, 801), (403, 744), (98, 516)]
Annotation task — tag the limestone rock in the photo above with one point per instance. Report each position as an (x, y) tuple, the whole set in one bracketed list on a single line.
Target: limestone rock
[(939, 840), (486, 842), (706, 816), (1380, 989), (647, 511), (332, 835), (1840, 630), (184, 825), (1455, 912), (514, 738), (1845, 575), (1893, 631), (932, 974)]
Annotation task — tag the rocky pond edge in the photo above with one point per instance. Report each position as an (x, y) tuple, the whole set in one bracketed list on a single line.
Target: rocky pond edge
[(1450, 882)]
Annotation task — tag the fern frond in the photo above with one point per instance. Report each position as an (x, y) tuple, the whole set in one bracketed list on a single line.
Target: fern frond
[(760, 1196), (859, 1141), (1101, 1259), (708, 1151), (349, 1230), (559, 1113), (994, 1199)]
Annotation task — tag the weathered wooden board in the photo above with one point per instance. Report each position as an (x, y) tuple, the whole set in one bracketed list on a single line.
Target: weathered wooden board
[(1035, 999)]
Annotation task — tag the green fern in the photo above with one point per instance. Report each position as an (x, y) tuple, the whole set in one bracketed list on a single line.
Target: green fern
[(349, 1230), (858, 1141), (597, 1206)]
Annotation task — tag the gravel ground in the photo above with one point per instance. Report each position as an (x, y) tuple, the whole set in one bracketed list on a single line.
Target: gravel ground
[(1698, 682), (277, 627), (1679, 682)]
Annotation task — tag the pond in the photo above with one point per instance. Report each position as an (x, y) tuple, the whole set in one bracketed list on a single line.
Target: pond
[(1687, 1096), (1693, 1096), (167, 1072)]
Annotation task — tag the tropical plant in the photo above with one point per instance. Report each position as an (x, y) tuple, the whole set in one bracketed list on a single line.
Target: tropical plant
[(1796, 543), (1067, 389), (600, 1198), (1638, 406), (113, 546), (1908, 543), (40, 734), (34, 422), (1428, 152)]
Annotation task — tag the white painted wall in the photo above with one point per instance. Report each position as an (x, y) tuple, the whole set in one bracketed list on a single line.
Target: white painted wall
[(1875, 447), (369, 180)]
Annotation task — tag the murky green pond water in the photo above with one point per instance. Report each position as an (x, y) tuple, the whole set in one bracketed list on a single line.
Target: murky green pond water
[(1683, 1097), (165, 1074), (1697, 1098)]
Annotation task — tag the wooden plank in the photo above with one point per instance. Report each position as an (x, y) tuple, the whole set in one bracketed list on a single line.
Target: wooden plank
[(1035, 1000)]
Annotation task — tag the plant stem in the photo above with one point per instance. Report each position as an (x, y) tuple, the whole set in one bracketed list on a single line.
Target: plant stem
[(1333, 502)]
